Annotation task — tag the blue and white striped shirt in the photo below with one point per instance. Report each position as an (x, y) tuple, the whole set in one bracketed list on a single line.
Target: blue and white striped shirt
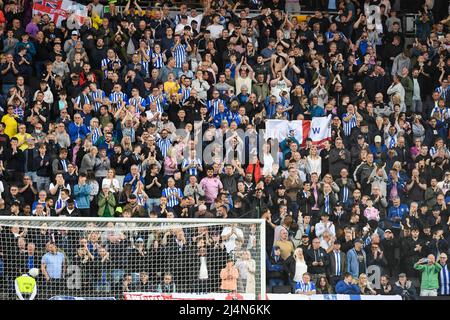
[(146, 64), (443, 113), (348, 126), (136, 102), (95, 134), (443, 92), (108, 64), (179, 54), (444, 281), (116, 96), (185, 93), (304, 287), (191, 171), (158, 100), (86, 99), (338, 263), (61, 204), (164, 145), (99, 94), (213, 106), (158, 61), (172, 201)]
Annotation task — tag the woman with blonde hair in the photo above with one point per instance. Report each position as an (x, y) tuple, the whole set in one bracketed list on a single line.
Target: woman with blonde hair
[(111, 181), (296, 266), (364, 286), (313, 161)]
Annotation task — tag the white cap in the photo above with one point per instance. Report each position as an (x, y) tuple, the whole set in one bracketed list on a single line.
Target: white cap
[(34, 272)]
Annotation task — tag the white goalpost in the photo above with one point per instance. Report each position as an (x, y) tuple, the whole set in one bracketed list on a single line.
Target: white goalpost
[(135, 258)]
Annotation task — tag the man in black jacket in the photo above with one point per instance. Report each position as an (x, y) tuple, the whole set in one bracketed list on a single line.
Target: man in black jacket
[(390, 245), (43, 168), (339, 158), (317, 260), (412, 250)]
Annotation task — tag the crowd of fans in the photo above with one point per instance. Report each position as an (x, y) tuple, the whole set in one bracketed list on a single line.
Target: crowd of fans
[(99, 122)]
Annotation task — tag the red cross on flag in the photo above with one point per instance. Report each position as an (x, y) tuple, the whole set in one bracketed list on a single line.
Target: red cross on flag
[(60, 10)]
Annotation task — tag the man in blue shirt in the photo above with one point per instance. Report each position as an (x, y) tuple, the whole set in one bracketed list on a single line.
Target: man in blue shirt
[(53, 268), (396, 213), (305, 286), (346, 286), (77, 129)]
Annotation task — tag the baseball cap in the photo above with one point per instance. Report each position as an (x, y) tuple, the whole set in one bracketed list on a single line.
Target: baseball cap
[(387, 230), (74, 32), (377, 139), (132, 196), (139, 240), (358, 240)]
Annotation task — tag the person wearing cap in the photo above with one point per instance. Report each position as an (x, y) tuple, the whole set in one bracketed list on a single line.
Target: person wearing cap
[(378, 148), (390, 244), (356, 259), (404, 288), (25, 285), (430, 270)]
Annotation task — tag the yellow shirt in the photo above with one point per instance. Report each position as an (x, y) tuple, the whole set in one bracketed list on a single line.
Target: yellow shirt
[(171, 87), (22, 139), (11, 125)]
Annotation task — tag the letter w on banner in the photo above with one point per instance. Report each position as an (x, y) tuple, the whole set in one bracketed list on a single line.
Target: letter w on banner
[(60, 10), (318, 129)]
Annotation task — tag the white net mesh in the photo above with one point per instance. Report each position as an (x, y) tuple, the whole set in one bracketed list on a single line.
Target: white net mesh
[(105, 258)]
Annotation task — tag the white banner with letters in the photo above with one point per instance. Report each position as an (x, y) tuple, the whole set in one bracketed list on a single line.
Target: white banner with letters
[(288, 296), (187, 296), (318, 129)]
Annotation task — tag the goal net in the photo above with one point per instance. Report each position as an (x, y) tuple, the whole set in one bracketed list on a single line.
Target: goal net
[(91, 258)]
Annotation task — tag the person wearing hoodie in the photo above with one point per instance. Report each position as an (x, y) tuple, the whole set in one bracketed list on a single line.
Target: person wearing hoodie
[(346, 285), (276, 273), (404, 288)]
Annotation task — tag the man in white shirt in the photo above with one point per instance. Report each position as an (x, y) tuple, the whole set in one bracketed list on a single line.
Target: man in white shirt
[(397, 88), (195, 17), (229, 235), (325, 225), (179, 29), (97, 8), (215, 28)]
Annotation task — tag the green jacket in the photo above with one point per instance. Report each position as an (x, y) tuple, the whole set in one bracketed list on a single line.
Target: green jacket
[(106, 202), (408, 85), (430, 275)]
